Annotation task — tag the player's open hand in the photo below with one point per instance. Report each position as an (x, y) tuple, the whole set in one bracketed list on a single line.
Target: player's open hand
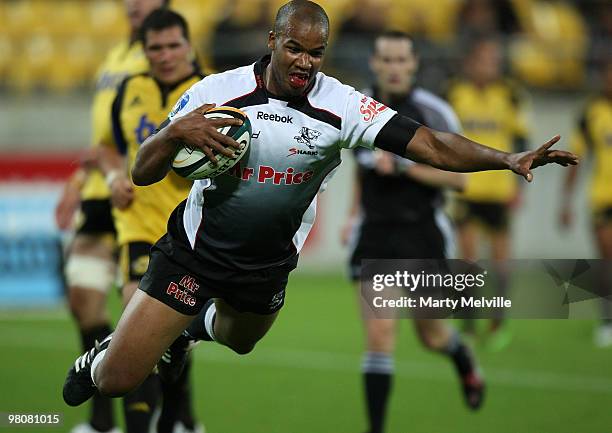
[(522, 163), (198, 131), (89, 158)]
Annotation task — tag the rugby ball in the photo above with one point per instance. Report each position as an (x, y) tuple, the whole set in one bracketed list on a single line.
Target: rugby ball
[(192, 163)]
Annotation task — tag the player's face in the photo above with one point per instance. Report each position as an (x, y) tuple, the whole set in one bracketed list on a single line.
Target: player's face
[(169, 54), (394, 65), (484, 65), (137, 10), (297, 56)]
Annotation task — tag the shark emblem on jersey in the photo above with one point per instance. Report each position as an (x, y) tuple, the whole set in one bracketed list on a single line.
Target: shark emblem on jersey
[(307, 136)]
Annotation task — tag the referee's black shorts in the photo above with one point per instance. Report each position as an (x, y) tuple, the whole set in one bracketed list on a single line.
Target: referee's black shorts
[(186, 291), (96, 218), (601, 217), (422, 240)]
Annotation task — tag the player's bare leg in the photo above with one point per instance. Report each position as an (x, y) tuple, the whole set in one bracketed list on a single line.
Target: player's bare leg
[(434, 334), (90, 272), (145, 330), (467, 238), (603, 236), (88, 301), (140, 404), (240, 331), (500, 251), (437, 335), (217, 321)]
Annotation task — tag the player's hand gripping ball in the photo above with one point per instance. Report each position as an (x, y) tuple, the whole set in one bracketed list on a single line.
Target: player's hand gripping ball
[(194, 164)]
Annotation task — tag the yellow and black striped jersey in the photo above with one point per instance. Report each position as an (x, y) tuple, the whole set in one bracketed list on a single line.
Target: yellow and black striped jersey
[(123, 60), (593, 137), (492, 115), (141, 105)]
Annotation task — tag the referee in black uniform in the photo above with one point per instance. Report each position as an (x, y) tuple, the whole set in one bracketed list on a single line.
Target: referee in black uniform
[(396, 215)]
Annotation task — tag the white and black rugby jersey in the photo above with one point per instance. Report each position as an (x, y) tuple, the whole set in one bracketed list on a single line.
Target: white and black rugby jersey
[(399, 199), (258, 214)]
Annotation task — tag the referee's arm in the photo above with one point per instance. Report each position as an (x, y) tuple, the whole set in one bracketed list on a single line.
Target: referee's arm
[(453, 152)]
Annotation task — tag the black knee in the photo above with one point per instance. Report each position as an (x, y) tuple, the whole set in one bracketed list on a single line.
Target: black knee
[(242, 348)]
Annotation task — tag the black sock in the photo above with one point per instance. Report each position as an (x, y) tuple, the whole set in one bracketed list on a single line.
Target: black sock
[(460, 354), (197, 328), (186, 414), (378, 377), (139, 405), (101, 417), (177, 402)]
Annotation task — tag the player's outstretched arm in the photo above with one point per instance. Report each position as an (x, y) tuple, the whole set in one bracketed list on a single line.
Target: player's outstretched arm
[(155, 155), (454, 152)]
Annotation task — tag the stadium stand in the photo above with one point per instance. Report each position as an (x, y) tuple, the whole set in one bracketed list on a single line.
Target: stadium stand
[(55, 45)]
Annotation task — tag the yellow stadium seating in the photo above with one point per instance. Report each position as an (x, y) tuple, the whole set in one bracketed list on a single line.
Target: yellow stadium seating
[(59, 43), (435, 19), (553, 51), (106, 18), (6, 56)]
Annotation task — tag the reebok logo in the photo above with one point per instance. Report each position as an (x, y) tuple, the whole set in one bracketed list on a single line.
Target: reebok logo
[(274, 117)]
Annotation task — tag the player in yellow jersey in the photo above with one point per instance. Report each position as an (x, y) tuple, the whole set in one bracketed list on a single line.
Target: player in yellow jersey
[(593, 137), (489, 109), (142, 103), (90, 268)]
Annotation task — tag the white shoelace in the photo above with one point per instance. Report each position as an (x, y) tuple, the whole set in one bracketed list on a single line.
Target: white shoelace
[(86, 358)]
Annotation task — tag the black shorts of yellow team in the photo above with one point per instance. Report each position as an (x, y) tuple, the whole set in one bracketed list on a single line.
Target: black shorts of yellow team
[(602, 216), (419, 240), (186, 291), (95, 218), (494, 216), (134, 260)]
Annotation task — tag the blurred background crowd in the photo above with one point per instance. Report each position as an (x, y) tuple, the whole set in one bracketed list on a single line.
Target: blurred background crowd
[(57, 45)]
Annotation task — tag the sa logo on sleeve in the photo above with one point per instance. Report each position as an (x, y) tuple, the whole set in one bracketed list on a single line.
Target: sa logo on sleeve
[(179, 105), (371, 108)]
